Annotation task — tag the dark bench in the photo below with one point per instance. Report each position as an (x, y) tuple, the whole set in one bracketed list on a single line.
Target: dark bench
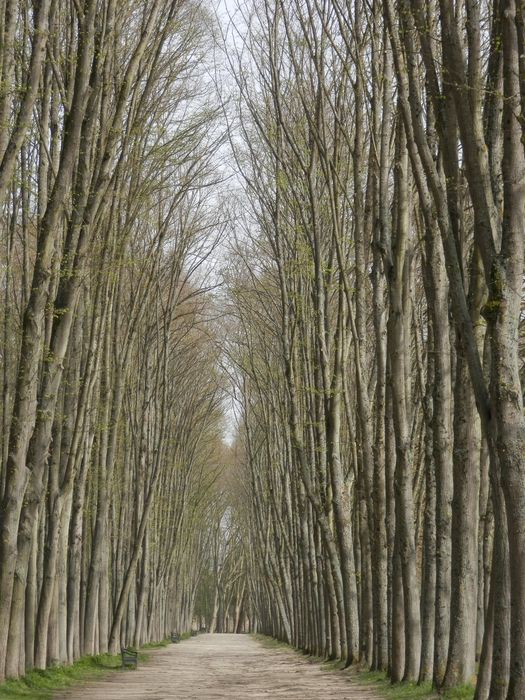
[(130, 657), (194, 633), (175, 638)]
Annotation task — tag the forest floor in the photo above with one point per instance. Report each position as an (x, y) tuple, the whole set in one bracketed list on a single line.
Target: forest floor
[(223, 666)]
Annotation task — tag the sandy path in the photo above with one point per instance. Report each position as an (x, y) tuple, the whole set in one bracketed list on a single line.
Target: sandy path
[(222, 666)]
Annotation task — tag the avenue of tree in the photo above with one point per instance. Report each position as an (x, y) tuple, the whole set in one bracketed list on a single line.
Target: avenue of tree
[(111, 401), (370, 328), (379, 342)]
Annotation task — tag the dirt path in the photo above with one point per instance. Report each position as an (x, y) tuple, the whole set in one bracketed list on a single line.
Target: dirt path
[(223, 666)]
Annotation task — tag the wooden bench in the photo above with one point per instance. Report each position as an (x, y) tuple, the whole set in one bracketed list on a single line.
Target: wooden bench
[(129, 657), (194, 633), (175, 638)]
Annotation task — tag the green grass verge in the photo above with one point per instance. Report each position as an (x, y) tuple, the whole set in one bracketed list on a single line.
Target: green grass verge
[(271, 642), (377, 681), (383, 686), (157, 645), (42, 685)]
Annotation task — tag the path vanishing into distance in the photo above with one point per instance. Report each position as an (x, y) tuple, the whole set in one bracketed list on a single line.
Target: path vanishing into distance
[(233, 666)]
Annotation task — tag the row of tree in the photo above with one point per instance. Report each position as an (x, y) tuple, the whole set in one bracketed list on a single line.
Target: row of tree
[(378, 345), (223, 603), (111, 399)]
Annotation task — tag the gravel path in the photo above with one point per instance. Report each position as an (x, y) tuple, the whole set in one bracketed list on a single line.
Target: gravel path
[(223, 666)]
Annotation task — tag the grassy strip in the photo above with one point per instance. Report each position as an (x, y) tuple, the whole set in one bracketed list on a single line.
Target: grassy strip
[(42, 685), (157, 645), (378, 682), (272, 643), (382, 685)]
